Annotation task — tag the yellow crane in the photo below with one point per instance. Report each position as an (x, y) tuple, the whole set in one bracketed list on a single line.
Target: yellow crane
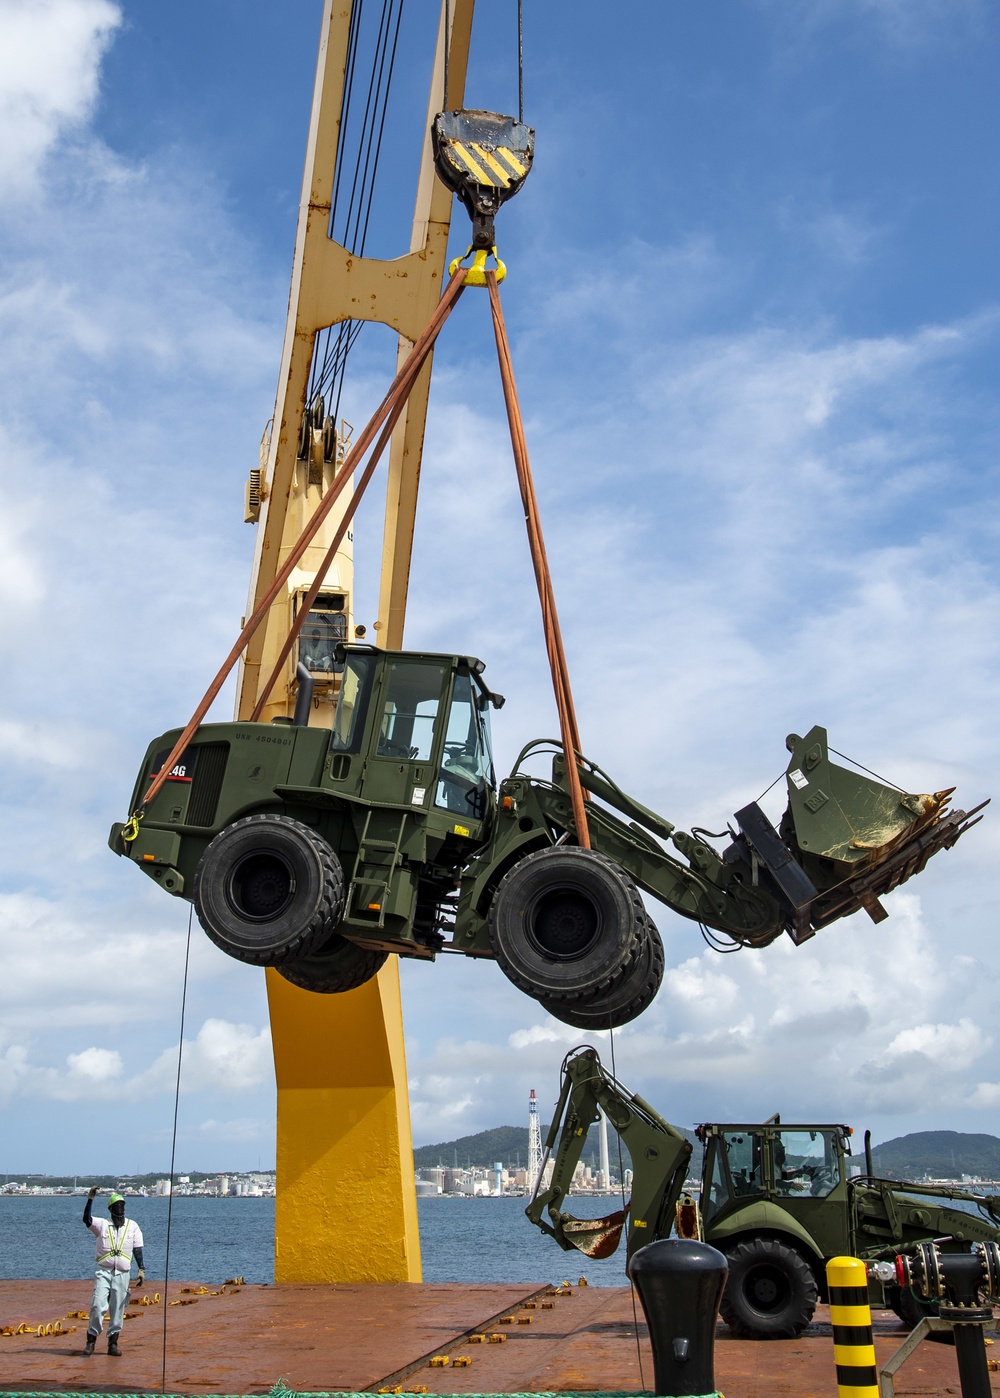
[(346, 1207)]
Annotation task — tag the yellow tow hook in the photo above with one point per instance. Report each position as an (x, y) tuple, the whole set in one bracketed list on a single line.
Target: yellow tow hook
[(130, 830), (476, 274)]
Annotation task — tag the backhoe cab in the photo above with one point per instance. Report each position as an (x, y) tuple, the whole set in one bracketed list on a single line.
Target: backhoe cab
[(778, 1199), (320, 851)]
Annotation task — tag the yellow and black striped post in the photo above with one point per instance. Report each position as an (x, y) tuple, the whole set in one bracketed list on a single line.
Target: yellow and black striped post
[(851, 1317)]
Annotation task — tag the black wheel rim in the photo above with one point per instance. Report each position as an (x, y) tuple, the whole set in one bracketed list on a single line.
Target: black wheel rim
[(767, 1289), (261, 886), (563, 924)]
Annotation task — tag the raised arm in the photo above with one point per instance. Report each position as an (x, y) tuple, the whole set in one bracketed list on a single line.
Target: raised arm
[(88, 1206)]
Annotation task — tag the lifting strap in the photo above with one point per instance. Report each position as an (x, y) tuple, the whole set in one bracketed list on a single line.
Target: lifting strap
[(386, 417), (390, 408), (550, 617)]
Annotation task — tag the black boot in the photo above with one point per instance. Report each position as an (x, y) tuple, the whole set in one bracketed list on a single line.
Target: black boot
[(91, 1342), (113, 1345)]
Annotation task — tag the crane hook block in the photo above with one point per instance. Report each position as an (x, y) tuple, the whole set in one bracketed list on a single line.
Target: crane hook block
[(484, 158)]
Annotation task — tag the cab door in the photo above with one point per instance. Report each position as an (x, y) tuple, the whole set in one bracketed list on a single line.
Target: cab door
[(809, 1181)]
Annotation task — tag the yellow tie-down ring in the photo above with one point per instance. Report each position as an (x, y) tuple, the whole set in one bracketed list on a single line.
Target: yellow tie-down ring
[(476, 274)]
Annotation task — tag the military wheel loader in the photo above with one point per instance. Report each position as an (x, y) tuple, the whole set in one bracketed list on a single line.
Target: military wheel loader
[(776, 1198), (321, 852)]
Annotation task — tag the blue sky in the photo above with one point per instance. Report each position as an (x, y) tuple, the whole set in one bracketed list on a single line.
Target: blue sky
[(755, 319)]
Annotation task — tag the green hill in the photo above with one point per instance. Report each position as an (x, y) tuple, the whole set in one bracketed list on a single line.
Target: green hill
[(509, 1145), (947, 1154)]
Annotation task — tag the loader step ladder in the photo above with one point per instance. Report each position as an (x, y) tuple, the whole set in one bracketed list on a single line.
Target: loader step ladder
[(371, 880)]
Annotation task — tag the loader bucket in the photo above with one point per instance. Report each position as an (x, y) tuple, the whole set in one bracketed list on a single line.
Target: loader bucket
[(856, 837)]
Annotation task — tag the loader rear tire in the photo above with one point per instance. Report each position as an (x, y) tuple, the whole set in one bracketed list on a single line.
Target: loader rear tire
[(771, 1292), (565, 923), (267, 889), (338, 966), (626, 1000)]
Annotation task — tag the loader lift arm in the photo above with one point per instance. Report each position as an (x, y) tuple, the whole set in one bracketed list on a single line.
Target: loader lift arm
[(660, 1157)]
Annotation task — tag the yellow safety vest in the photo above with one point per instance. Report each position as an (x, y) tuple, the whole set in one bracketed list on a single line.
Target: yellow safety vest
[(117, 1248)]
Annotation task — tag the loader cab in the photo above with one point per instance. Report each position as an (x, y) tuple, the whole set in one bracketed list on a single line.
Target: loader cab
[(786, 1164), (417, 728)]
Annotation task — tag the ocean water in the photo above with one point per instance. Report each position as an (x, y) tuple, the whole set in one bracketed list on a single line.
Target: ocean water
[(461, 1240)]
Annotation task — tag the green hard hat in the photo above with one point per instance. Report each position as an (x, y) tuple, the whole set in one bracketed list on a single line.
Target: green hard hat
[(116, 1199)]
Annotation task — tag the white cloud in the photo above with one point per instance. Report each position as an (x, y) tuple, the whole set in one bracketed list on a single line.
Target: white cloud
[(904, 24), (50, 54), (90, 1071), (222, 1057)]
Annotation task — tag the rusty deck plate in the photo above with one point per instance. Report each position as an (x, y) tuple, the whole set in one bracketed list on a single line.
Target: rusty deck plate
[(357, 1338)]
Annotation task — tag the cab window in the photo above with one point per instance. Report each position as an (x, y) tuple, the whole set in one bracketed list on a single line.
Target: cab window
[(806, 1164), (467, 768), (322, 631), (718, 1186), (347, 722), (743, 1154), (409, 709)]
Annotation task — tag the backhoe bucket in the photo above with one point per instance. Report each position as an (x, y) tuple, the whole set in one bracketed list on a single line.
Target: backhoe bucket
[(595, 1237)]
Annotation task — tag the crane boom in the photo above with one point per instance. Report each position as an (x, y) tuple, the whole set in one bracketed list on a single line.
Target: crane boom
[(346, 1206)]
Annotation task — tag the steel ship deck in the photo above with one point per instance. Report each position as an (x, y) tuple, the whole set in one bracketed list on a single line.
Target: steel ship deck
[(356, 1338)]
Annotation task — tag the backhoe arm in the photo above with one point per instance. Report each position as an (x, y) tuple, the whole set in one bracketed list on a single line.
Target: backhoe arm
[(659, 1153)]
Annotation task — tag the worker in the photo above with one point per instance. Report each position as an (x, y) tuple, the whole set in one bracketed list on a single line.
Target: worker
[(118, 1241)]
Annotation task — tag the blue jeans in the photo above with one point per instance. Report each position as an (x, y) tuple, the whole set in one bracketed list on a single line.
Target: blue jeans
[(111, 1291)]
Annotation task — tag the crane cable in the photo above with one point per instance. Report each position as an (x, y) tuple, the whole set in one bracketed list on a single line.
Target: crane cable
[(173, 1151), (621, 1181), (332, 349)]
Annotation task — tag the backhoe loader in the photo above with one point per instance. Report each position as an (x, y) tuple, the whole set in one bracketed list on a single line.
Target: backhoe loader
[(321, 852), (778, 1199)]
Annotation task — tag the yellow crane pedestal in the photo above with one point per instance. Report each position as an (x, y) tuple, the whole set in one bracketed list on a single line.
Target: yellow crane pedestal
[(346, 1207)]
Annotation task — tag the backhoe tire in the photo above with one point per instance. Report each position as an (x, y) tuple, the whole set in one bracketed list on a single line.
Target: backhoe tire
[(627, 999), (565, 923), (268, 888), (771, 1292), (338, 966)]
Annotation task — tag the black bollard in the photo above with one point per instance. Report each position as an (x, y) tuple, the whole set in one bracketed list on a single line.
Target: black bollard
[(680, 1284)]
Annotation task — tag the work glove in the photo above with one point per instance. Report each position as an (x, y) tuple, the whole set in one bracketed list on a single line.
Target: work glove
[(140, 1279), (93, 1192)]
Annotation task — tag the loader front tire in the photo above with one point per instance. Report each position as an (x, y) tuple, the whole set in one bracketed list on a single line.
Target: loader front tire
[(267, 889), (771, 1292), (338, 966), (625, 1000), (564, 923)]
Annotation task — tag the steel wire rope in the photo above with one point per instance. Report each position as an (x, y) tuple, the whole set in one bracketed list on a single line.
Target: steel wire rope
[(354, 28), (328, 378), (355, 330), (520, 61), (621, 1181), (173, 1152)]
